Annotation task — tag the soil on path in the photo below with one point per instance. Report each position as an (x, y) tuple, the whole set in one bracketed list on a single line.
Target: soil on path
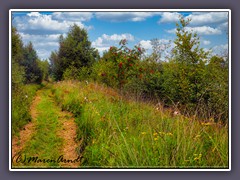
[(66, 131), (18, 142)]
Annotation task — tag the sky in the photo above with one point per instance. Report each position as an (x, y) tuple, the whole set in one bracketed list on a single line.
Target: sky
[(106, 29)]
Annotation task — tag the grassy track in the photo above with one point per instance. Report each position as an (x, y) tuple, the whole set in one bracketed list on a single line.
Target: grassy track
[(116, 131), (46, 142)]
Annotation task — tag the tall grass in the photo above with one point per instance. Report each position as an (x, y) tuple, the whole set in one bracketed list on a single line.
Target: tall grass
[(118, 132), (21, 100)]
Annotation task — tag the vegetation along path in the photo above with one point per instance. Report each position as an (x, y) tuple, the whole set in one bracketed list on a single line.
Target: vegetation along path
[(51, 136)]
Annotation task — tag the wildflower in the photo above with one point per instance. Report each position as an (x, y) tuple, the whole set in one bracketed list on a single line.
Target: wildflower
[(143, 133), (206, 124), (26, 96), (196, 158), (162, 133), (151, 71), (169, 134), (197, 136), (155, 134), (120, 65), (155, 139)]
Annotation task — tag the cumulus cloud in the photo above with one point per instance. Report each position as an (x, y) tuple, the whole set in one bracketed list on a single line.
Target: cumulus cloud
[(169, 17), (32, 14), (197, 18), (206, 42), (107, 40), (125, 16), (43, 30), (43, 44), (73, 16), (201, 18), (204, 30), (220, 49), (146, 44), (103, 42), (201, 30), (36, 23)]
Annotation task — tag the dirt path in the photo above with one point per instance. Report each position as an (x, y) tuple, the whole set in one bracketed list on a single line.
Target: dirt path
[(68, 133), (51, 134), (18, 142)]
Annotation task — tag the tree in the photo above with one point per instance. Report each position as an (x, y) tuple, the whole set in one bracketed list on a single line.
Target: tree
[(191, 61), (44, 67), (74, 51), (18, 73), (158, 48), (33, 73)]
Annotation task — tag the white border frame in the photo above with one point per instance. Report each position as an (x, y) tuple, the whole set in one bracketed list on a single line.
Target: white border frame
[(118, 10)]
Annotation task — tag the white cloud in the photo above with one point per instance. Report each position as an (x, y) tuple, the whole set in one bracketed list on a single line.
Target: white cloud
[(201, 30), (37, 23), (108, 40), (204, 18), (43, 44), (206, 42), (43, 30), (32, 14), (104, 42), (73, 16), (168, 17), (220, 49), (171, 31), (146, 44), (197, 18), (125, 16), (204, 30)]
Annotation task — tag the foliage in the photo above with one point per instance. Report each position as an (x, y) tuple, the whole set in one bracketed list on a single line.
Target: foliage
[(32, 71), (44, 68), (75, 52), (119, 65)]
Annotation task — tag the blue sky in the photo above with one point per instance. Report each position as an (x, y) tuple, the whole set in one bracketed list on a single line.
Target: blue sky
[(106, 29)]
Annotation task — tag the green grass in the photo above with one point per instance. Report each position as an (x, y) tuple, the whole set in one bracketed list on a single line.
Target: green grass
[(118, 132), (45, 142), (21, 102)]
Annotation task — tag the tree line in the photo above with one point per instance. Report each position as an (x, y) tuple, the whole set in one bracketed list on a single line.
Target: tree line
[(191, 77)]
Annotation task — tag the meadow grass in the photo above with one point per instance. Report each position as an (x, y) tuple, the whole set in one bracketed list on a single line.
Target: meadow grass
[(21, 101), (117, 132), (45, 143)]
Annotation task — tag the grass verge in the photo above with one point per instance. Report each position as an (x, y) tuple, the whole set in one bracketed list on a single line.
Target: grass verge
[(21, 101), (119, 133)]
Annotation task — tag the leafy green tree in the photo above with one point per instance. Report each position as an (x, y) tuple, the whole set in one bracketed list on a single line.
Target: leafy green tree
[(45, 68), (75, 51), (190, 60), (32, 71), (17, 58)]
